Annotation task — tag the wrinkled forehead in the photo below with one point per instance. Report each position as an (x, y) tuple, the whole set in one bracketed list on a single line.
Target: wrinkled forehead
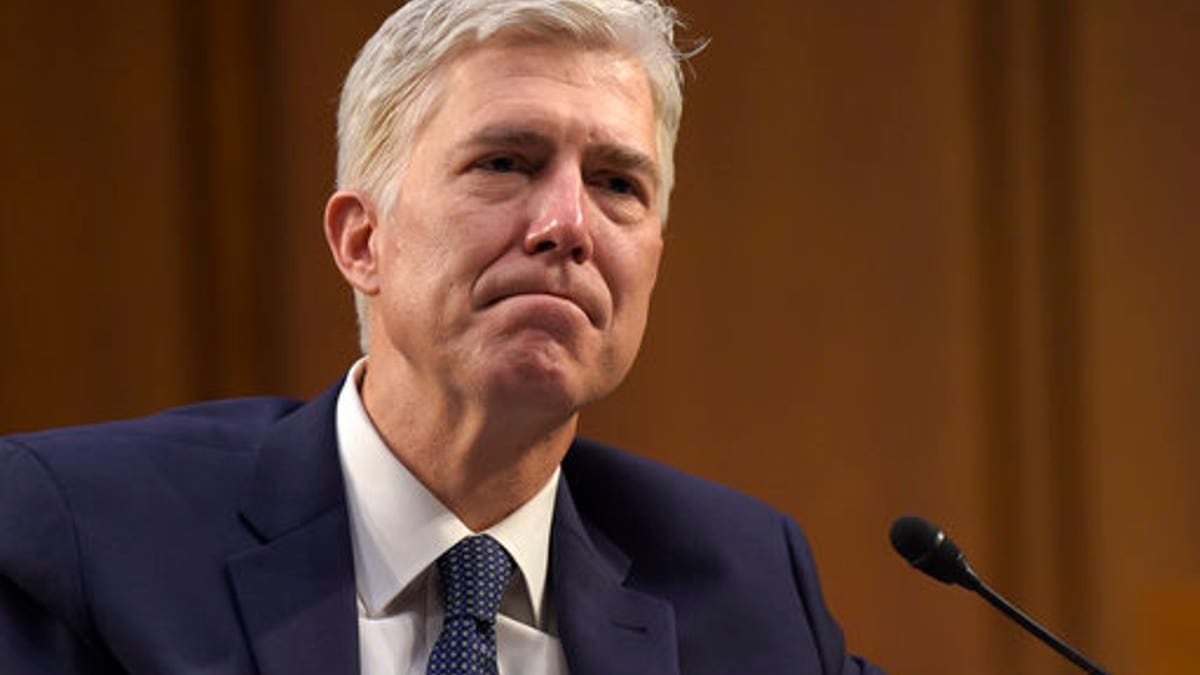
[(562, 46), (516, 90)]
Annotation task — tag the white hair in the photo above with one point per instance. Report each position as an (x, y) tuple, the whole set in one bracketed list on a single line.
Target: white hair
[(393, 86)]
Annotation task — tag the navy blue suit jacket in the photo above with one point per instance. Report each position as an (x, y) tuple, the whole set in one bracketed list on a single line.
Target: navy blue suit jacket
[(215, 539)]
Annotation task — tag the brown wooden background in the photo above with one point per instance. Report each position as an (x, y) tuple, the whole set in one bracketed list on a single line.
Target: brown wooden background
[(936, 257)]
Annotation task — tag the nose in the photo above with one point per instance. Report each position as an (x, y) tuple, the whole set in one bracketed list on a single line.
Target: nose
[(557, 226)]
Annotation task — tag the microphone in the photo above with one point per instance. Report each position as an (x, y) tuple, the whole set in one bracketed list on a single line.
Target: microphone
[(927, 548)]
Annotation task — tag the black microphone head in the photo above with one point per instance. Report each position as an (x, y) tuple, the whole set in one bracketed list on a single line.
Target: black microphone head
[(927, 548)]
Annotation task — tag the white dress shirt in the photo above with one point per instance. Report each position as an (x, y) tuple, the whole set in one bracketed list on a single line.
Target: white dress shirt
[(399, 529)]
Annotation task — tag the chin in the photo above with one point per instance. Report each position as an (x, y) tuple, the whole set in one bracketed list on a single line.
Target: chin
[(543, 375), (553, 384), (535, 384)]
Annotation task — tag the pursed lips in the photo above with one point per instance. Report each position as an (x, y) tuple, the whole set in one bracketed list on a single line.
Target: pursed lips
[(505, 289)]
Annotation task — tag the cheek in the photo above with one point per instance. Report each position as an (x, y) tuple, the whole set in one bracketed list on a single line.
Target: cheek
[(435, 256), (636, 267), (638, 274), (653, 257), (644, 258)]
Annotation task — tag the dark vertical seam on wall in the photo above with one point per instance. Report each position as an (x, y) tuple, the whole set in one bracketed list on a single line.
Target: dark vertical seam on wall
[(995, 239), (196, 161), (1063, 322), (269, 237)]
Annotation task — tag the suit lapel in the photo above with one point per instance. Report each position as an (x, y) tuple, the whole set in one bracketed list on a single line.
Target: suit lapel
[(296, 590), (606, 628)]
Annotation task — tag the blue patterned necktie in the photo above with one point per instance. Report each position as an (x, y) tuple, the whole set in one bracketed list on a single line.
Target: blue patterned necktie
[(474, 575)]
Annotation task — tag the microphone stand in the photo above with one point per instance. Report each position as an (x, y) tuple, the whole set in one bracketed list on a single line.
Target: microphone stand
[(927, 548), (974, 583)]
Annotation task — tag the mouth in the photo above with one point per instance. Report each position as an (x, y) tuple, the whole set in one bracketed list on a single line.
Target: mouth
[(544, 297), (535, 290)]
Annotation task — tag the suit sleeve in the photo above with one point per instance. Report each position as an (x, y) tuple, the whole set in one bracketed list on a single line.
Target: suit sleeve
[(828, 635), (43, 618)]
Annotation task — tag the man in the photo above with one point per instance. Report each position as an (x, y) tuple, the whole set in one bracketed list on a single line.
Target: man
[(504, 168)]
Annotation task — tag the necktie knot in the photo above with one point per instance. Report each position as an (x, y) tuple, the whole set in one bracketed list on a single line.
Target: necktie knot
[(474, 574)]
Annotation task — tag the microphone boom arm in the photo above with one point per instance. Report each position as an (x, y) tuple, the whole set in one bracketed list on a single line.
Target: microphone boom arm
[(1026, 622)]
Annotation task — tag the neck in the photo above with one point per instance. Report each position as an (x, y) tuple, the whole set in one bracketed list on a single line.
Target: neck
[(481, 462)]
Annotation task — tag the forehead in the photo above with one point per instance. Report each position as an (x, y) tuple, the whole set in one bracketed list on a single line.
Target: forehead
[(604, 94)]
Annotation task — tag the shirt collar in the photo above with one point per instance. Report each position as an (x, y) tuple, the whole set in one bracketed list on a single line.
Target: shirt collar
[(399, 528)]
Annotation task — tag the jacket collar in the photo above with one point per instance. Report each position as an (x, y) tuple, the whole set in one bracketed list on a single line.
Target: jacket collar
[(606, 627), (296, 589)]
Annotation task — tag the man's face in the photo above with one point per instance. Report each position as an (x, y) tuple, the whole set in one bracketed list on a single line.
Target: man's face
[(517, 263)]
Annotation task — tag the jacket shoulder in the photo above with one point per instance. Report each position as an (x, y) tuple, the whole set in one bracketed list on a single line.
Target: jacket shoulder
[(714, 553), (621, 491), (229, 423), (83, 509)]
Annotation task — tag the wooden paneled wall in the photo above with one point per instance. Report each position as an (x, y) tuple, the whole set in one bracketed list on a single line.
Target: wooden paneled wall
[(932, 257)]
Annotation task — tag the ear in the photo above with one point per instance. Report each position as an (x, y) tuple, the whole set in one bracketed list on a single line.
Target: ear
[(350, 227)]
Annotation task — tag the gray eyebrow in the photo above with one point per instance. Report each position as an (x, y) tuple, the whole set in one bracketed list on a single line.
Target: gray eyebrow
[(614, 154), (506, 136), (626, 158)]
